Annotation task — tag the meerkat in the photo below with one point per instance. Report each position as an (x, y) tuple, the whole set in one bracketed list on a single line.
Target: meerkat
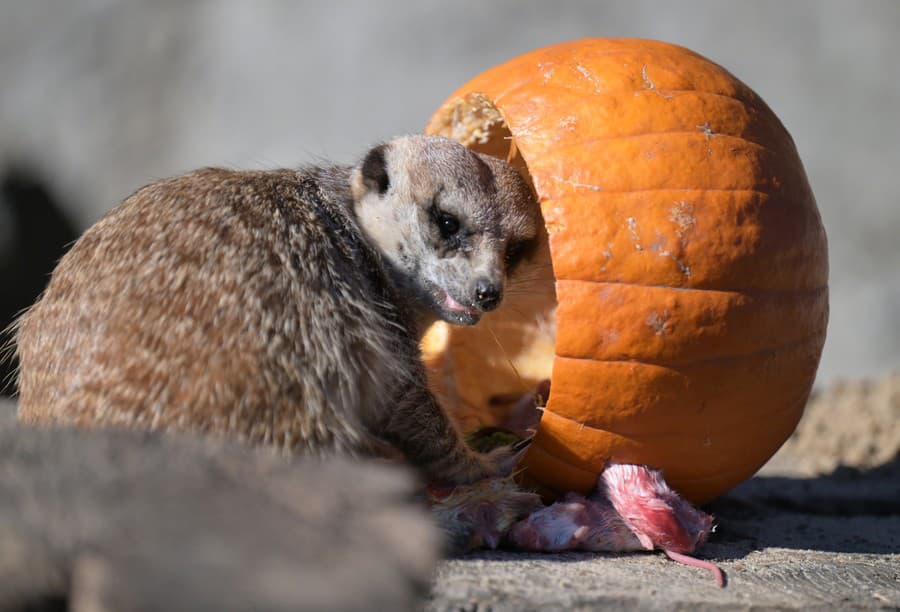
[(282, 307)]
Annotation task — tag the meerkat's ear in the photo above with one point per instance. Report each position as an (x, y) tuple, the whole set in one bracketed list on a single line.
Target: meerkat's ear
[(373, 170)]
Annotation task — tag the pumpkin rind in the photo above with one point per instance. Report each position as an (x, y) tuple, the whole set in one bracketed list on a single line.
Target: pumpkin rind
[(689, 256)]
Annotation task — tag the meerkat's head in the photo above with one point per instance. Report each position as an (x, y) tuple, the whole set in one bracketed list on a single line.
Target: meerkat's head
[(450, 223)]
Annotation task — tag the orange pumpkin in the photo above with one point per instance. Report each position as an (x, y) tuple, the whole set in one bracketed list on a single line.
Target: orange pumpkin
[(689, 264)]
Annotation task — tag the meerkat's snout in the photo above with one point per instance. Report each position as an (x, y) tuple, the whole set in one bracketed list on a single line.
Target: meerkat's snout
[(488, 294), (477, 297)]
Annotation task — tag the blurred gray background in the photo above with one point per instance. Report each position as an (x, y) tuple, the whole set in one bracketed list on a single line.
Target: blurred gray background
[(98, 97)]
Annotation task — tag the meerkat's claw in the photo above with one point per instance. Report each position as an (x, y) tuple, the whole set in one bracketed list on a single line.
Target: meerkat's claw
[(498, 463), (506, 458)]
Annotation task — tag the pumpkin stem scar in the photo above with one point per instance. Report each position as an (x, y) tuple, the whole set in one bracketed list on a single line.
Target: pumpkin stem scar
[(650, 85), (716, 571)]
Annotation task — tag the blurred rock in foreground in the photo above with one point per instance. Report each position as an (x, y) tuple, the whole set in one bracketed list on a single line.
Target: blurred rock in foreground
[(127, 521)]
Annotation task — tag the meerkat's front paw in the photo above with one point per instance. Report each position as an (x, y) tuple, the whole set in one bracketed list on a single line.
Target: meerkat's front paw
[(471, 469), (499, 462), (506, 458)]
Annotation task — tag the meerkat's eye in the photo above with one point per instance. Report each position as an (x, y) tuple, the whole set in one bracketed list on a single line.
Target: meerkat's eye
[(516, 252), (447, 224)]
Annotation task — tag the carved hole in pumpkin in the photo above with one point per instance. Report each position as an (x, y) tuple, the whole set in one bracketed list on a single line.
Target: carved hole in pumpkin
[(479, 373)]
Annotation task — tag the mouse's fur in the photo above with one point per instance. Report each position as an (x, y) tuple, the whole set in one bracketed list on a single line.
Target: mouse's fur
[(282, 307)]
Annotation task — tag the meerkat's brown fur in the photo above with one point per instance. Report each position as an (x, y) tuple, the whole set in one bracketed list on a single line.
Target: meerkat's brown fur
[(281, 307)]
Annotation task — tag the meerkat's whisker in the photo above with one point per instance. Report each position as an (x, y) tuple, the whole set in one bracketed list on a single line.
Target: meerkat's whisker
[(505, 354)]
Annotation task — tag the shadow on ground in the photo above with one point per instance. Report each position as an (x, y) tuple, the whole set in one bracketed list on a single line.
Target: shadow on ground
[(851, 510), (826, 542)]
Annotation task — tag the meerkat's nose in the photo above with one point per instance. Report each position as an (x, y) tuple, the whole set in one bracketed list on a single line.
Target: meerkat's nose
[(487, 294)]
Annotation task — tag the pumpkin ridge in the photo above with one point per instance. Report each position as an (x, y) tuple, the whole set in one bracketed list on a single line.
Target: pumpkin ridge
[(719, 475), (601, 190), (553, 63), (694, 132), (675, 366), (586, 477), (792, 409), (640, 436), (645, 434), (544, 450), (584, 425), (745, 292), (687, 92), (549, 87)]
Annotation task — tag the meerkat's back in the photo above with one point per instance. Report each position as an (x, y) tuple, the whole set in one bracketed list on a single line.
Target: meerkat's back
[(206, 300)]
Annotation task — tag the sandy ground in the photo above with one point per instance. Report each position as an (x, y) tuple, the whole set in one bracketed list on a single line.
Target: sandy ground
[(819, 527), (852, 423)]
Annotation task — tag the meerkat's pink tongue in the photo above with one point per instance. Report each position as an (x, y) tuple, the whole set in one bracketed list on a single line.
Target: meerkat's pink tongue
[(453, 305)]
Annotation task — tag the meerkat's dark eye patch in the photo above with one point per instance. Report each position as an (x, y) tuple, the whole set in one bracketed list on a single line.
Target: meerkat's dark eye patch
[(374, 170), (447, 224), (517, 251)]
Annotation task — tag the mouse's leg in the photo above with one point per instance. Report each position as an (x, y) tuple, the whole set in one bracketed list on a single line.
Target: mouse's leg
[(574, 523)]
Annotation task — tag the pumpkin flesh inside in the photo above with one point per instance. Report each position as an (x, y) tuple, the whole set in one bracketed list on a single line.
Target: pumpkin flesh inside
[(481, 372)]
